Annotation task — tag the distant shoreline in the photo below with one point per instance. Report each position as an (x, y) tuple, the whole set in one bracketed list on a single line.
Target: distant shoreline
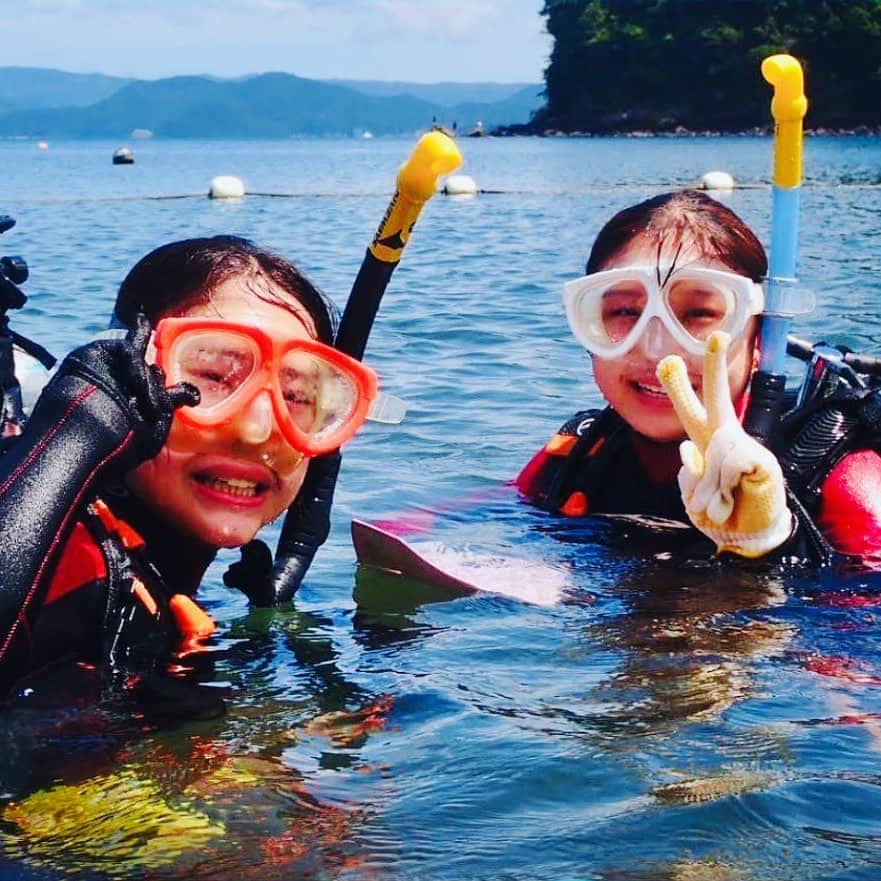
[(503, 132), (680, 132)]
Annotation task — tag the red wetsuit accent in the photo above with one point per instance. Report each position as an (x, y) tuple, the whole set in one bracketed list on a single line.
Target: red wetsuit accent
[(74, 605), (850, 506), (81, 563)]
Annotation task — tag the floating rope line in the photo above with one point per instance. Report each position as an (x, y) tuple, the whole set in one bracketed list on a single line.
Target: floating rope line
[(588, 191)]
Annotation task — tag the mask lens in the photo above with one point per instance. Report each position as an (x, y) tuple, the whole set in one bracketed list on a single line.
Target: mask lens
[(701, 307), (620, 309), (218, 364), (319, 397)]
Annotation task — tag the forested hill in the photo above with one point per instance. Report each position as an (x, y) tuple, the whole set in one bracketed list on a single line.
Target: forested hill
[(625, 65), (52, 103)]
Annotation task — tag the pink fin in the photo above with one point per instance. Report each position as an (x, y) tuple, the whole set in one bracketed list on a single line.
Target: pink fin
[(376, 547)]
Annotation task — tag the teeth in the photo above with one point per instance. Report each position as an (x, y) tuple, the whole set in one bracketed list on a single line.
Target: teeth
[(233, 486), (239, 482)]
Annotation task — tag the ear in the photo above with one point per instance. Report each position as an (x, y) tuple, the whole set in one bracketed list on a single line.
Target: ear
[(753, 333)]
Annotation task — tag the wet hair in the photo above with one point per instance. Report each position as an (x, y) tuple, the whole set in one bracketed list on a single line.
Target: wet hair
[(179, 275), (676, 220)]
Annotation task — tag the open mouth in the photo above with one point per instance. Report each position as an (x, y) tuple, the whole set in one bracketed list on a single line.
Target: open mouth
[(653, 391), (238, 487)]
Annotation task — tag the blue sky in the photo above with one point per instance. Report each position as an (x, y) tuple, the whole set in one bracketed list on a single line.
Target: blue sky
[(411, 40)]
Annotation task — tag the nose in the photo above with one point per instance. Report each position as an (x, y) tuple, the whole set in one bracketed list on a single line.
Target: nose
[(656, 341), (257, 421)]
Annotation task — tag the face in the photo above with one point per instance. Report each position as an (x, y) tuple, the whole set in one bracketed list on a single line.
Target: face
[(235, 478), (628, 382)]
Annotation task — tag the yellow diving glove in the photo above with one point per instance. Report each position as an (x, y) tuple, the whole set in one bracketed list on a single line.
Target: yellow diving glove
[(731, 485)]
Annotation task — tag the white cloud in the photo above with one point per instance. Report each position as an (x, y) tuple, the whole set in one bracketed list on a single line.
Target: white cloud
[(438, 19)]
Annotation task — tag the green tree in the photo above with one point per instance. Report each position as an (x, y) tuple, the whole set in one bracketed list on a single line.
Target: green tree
[(626, 64)]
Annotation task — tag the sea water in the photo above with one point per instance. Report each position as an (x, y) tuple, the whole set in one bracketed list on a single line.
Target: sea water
[(659, 721)]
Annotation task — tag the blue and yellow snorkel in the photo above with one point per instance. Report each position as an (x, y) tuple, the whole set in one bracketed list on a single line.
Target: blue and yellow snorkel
[(788, 107)]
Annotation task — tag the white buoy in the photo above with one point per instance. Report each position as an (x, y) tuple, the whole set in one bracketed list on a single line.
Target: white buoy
[(716, 180), (459, 185), (225, 186)]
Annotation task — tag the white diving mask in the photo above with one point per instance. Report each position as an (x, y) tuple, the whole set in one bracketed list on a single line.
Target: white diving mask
[(609, 311)]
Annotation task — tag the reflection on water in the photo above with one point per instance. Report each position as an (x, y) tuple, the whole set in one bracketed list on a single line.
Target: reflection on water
[(687, 644), (101, 793), (667, 719)]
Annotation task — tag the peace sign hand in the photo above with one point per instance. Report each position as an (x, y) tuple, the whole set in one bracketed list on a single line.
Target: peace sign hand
[(731, 485)]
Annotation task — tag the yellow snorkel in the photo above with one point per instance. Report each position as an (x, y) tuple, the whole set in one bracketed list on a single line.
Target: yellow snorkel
[(306, 526), (788, 107), (433, 156)]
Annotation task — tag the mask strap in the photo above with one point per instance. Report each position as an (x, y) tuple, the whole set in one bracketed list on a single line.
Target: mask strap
[(672, 265)]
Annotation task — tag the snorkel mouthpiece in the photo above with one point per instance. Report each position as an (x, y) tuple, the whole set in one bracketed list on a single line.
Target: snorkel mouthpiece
[(788, 107), (434, 155)]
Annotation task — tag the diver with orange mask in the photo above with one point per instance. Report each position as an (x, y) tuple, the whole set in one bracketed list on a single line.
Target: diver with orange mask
[(147, 452), (261, 391)]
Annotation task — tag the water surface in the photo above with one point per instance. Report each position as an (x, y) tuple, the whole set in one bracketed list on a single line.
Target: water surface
[(661, 722)]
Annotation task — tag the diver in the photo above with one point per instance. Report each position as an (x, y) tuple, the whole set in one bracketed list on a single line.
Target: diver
[(186, 431), (669, 304)]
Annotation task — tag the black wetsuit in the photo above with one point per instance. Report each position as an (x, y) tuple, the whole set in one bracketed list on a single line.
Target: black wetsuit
[(87, 574)]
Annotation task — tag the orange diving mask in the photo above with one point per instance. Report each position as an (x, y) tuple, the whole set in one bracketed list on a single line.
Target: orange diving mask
[(320, 397)]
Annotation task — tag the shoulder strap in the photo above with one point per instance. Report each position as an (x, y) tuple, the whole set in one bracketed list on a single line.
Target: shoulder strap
[(115, 545)]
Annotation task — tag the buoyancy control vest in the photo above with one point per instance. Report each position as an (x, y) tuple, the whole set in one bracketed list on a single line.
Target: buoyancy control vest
[(140, 605), (109, 608)]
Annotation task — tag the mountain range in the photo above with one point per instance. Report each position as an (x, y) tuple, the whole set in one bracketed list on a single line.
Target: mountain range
[(43, 103)]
